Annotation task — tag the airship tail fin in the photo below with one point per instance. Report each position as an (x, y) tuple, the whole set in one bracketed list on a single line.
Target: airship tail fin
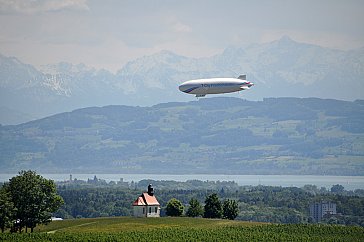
[(242, 77)]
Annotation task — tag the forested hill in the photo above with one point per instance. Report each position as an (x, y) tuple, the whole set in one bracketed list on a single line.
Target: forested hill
[(211, 135)]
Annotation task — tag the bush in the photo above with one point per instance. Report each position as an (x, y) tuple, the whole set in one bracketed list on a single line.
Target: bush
[(174, 208)]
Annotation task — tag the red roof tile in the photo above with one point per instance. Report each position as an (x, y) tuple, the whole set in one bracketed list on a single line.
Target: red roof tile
[(146, 199), (150, 200), (139, 202)]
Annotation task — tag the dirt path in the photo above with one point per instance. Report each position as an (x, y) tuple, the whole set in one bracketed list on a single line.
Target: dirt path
[(79, 225)]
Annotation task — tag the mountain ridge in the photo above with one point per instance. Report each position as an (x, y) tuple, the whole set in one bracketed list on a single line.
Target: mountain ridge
[(221, 135)]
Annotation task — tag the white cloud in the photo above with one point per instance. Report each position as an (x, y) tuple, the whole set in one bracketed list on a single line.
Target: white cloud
[(39, 6)]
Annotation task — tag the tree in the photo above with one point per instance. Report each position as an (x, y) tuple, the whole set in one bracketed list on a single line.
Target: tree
[(337, 188), (6, 209), (213, 207), (230, 209), (34, 198), (174, 208), (195, 209)]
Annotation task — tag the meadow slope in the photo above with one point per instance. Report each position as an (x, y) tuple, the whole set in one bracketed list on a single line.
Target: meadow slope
[(183, 229)]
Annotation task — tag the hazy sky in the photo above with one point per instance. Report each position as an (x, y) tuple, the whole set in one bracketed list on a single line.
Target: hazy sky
[(107, 34)]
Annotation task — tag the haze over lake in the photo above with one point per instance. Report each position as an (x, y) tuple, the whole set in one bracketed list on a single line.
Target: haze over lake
[(349, 182)]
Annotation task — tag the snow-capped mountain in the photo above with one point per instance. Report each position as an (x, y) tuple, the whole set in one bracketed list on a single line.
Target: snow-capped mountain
[(279, 68)]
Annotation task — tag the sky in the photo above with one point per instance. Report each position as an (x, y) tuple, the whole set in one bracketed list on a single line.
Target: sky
[(107, 34)]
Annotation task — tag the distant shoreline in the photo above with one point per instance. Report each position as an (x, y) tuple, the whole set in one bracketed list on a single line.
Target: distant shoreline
[(349, 182)]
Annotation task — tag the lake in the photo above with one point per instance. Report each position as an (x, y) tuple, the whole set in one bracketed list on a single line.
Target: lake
[(349, 182)]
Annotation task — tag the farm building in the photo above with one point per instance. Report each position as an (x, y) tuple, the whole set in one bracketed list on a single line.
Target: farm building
[(147, 205)]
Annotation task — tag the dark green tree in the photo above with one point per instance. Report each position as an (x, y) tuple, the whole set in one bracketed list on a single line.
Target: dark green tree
[(174, 208), (213, 208), (34, 197), (195, 209), (230, 209), (337, 188), (6, 209)]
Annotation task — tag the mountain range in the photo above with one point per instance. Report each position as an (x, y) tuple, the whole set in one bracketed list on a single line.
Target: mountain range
[(280, 68), (214, 135)]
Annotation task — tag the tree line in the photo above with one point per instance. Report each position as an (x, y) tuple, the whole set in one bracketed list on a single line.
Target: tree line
[(255, 203), (28, 199), (213, 208)]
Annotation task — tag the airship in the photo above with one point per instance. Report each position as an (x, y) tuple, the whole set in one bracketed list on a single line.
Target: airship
[(202, 87)]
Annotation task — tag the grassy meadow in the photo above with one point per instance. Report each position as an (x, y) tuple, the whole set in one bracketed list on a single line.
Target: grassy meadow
[(183, 229)]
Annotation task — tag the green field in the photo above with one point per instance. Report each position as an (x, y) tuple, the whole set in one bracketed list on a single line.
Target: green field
[(183, 229)]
